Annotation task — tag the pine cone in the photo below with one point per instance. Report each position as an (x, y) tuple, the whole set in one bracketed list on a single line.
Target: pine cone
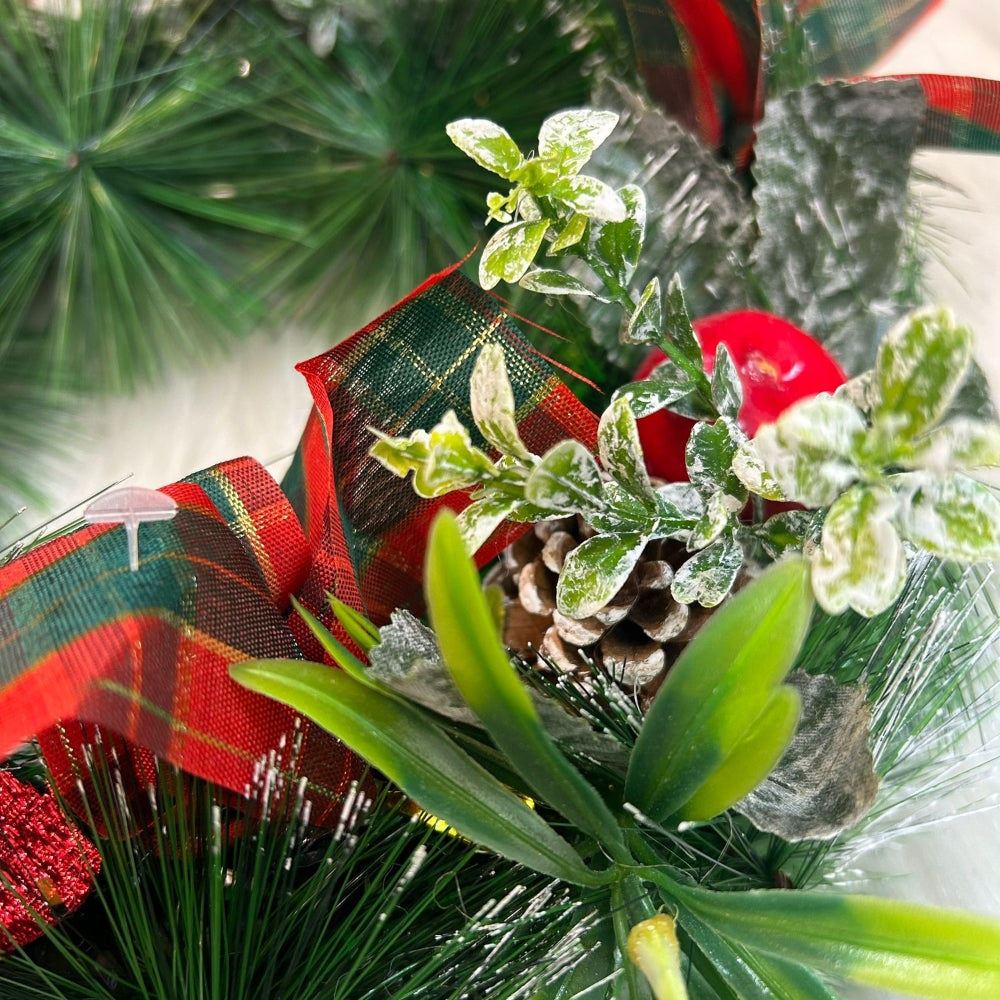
[(634, 638)]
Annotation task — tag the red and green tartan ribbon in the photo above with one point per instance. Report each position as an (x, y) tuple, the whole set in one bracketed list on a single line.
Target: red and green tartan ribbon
[(145, 655), (701, 60)]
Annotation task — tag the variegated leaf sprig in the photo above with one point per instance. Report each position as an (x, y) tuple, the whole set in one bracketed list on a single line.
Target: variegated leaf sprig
[(616, 497), (892, 471)]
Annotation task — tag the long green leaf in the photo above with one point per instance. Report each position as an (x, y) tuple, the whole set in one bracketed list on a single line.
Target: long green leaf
[(482, 671), (410, 750), (718, 687), (920, 950)]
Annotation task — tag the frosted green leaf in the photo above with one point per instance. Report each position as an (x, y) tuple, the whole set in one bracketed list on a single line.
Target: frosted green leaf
[(788, 530), (570, 235), (712, 523), (613, 248), (956, 518), (810, 451), (920, 366), (860, 562), (679, 505), (486, 143), (727, 389), (527, 207), (492, 402), (570, 137), (481, 518), (708, 576), (591, 197), (619, 447), (709, 455), (678, 323), (566, 480), (645, 325), (595, 571), (749, 468), (962, 443), (442, 461), (549, 281), (510, 252)]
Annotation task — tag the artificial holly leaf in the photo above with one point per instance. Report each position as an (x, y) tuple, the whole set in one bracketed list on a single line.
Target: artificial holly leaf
[(595, 571), (442, 460), (492, 402), (727, 389), (612, 249), (566, 480), (551, 281), (590, 197), (483, 516), (832, 166), (487, 143), (666, 385), (570, 137), (826, 780), (963, 443), (860, 562), (712, 522), (645, 325), (788, 531), (956, 518), (510, 252), (678, 506), (569, 235), (810, 451), (677, 321), (709, 455), (708, 576), (619, 447), (921, 365)]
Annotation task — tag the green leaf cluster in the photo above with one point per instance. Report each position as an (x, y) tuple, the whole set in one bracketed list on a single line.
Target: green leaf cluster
[(891, 469), (713, 732), (612, 491)]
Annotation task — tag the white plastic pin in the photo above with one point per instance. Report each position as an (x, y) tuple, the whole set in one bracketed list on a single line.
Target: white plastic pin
[(130, 506)]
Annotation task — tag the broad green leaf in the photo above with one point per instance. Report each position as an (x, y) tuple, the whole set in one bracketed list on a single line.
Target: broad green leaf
[(920, 366), (570, 137), (551, 281), (613, 248), (655, 951), (727, 389), (595, 571), (492, 402), (510, 252), (750, 761), (482, 517), (565, 480), (709, 455), (486, 143), (411, 751), (788, 531), (482, 671), (860, 562), (645, 325), (442, 460), (719, 685), (918, 950), (956, 518), (708, 576), (619, 447), (749, 468), (591, 197), (678, 325), (570, 235), (962, 443), (810, 451), (359, 628)]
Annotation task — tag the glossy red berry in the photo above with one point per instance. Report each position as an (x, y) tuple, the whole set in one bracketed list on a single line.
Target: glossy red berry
[(778, 363)]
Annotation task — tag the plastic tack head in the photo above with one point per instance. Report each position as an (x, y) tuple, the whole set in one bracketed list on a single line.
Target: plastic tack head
[(130, 506)]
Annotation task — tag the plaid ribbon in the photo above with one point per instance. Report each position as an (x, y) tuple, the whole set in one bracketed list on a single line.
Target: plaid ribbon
[(701, 62), (145, 655)]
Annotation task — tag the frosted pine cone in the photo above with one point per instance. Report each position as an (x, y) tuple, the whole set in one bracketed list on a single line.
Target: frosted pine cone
[(634, 638)]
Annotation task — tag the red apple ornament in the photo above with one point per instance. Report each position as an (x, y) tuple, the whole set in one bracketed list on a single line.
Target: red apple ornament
[(778, 363)]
